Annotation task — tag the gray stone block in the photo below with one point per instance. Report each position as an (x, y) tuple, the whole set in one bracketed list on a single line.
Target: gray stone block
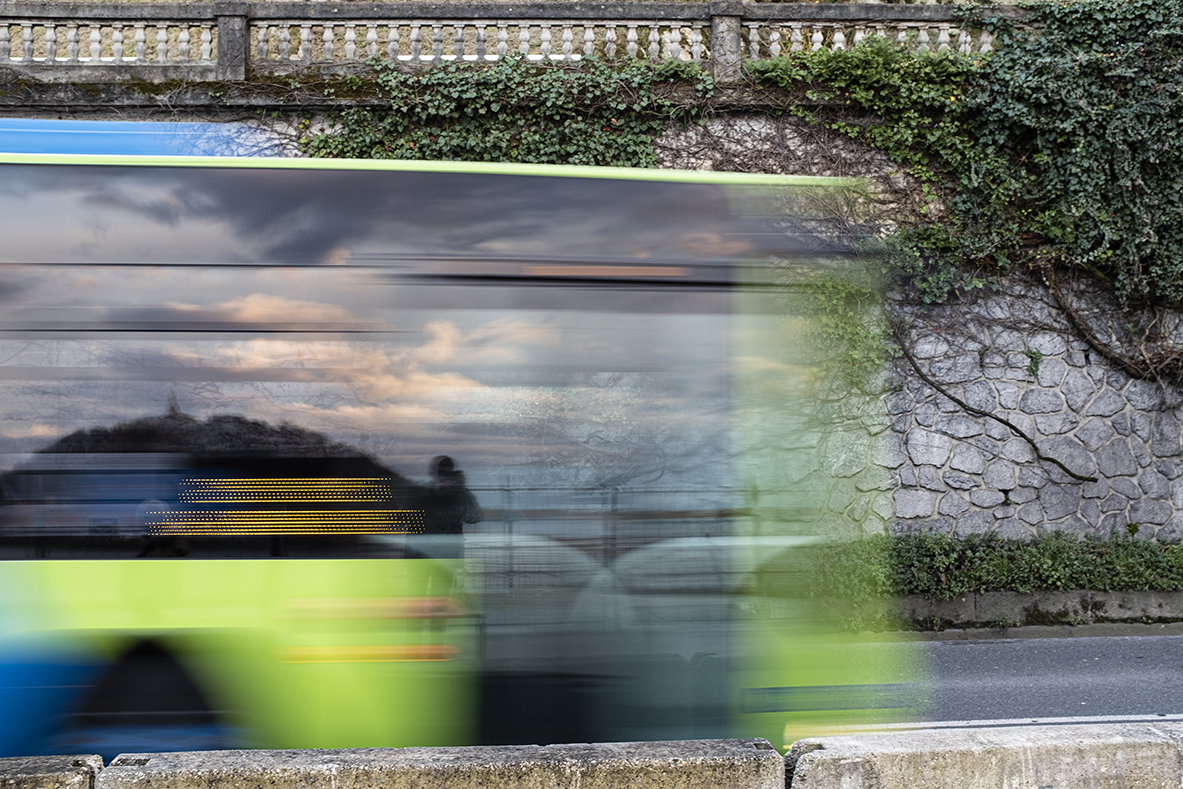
[(841, 496), (997, 430), (986, 498), (1048, 343), (1041, 401), (911, 503), (927, 448), (967, 459), (1144, 395), (690, 764), (1125, 487), (1007, 340), (1018, 450), (874, 478), (1090, 510), (930, 479), (1111, 524), (1140, 425), (49, 772), (1107, 403), (1051, 372), (926, 414), (1031, 513), (976, 522), (1115, 459), (845, 453), (1094, 433), (952, 504), (1095, 490), (1008, 394), (929, 346), (1150, 511), (1154, 485), (979, 394), (1071, 453), (1171, 531), (959, 481), (1055, 424), (1000, 475), (1022, 495), (883, 506), (1032, 477), (1106, 756), (1121, 423), (959, 426), (1171, 469), (1077, 388), (1059, 500), (1114, 502), (1013, 529), (1165, 436)]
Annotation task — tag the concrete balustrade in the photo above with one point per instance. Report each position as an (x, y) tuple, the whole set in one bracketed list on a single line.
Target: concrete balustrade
[(157, 42)]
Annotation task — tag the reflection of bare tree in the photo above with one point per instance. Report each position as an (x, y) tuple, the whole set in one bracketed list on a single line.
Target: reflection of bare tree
[(614, 430)]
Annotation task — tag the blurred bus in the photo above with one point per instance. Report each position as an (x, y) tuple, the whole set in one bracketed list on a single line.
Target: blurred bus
[(308, 453)]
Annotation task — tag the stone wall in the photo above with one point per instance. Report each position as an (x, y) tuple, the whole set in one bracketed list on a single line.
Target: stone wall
[(1012, 354)]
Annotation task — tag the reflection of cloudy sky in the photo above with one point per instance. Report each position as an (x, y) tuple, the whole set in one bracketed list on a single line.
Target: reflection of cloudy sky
[(554, 386), (305, 217)]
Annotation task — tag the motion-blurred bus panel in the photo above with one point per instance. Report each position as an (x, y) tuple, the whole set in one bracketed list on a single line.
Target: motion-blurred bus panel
[(346, 454)]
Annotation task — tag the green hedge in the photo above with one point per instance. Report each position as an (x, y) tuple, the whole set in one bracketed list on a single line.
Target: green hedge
[(941, 567)]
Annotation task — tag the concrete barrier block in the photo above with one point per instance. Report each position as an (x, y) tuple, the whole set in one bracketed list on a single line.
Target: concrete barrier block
[(1109, 756), (689, 764), (49, 772)]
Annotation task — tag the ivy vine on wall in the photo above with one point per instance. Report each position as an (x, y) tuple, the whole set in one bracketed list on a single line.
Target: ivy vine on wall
[(516, 111)]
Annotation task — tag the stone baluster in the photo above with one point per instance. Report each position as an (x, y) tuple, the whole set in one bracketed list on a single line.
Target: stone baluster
[(71, 41), (481, 46), (696, 43), (140, 45), (860, 32), (986, 42), (964, 41), (117, 43), (901, 39), (839, 38), (161, 42), (27, 41), (673, 43), (96, 42), (610, 42), (285, 43), (371, 40), (922, 39), (589, 40), (544, 41), (437, 41), (568, 41), (881, 30), (524, 39), (654, 50), (350, 41), (51, 42), (5, 43), (502, 39), (416, 41), (306, 42), (263, 48), (774, 41), (942, 38), (753, 40), (816, 41), (458, 40), (207, 42), (630, 46), (326, 49), (795, 37), (393, 47)]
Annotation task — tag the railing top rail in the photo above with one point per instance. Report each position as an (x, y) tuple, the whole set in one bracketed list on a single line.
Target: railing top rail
[(459, 10)]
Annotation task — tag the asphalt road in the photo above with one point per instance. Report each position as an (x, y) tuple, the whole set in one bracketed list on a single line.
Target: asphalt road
[(1046, 678)]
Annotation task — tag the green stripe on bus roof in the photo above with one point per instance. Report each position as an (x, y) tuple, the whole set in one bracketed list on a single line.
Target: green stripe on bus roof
[(403, 165)]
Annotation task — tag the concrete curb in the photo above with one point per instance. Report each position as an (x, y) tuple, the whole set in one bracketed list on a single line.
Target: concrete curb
[(1109, 756), (49, 772), (691, 764), (1011, 609)]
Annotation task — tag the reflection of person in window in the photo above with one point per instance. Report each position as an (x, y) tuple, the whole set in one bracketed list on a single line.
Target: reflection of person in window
[(449, 503)]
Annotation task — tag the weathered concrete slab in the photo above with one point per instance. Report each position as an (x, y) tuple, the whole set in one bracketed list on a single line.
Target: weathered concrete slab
[(49, 772), (1111, 756), (1011, 609), (690, 764)]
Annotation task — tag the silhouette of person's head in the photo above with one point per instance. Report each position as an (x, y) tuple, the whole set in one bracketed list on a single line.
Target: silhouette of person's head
[(442, 467)]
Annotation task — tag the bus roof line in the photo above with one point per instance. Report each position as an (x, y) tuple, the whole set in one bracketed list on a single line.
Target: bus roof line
[(403, 165)]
